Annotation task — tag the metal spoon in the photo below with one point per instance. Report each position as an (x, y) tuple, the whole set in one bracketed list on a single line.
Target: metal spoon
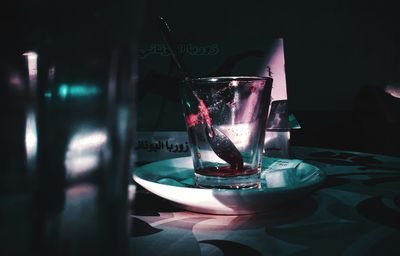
[(222, 146)]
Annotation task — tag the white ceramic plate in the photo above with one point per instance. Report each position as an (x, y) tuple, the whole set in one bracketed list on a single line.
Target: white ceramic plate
[(173, 179)]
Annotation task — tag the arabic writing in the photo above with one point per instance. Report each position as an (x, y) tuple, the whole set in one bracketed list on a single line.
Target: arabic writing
[(150, 146), (189, 49)]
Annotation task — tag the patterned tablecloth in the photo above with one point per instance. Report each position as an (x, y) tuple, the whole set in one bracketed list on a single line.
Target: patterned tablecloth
[(355, 212)]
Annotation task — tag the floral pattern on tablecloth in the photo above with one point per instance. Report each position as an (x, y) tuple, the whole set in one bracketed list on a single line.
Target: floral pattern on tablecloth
[(355, 212)]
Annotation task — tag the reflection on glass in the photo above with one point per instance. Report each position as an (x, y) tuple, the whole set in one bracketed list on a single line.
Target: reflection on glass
[(47, 94), (15, 80), (31, 136), (239, 134), (81, 164), (81, 206), (83, 154), (31, 139), (32, 67), (123, 117), (77, 90)]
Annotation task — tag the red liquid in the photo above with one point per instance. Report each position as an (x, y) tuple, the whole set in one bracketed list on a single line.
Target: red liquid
[(199, 118), (225, 171)]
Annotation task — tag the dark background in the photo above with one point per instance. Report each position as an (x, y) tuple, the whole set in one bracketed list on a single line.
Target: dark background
[(339, 55), (332, 47)]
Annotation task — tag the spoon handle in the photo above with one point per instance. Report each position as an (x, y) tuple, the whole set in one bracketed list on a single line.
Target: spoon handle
[(219, 142), (173, 49)]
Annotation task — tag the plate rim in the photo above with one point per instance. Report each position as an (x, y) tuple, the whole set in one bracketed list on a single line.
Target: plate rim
[(212, 203), (318, 182)]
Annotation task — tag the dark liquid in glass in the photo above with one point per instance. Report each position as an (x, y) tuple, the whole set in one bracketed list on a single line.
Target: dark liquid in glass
[(225, 171)]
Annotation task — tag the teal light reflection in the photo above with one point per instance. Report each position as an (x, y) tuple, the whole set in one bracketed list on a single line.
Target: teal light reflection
[(47, 95), (77, 90)]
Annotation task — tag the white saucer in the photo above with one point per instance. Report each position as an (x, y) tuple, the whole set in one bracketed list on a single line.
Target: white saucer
[(173, 179)]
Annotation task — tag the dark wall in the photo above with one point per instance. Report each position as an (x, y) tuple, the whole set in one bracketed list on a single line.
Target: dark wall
[(335, 52), (332, 47)]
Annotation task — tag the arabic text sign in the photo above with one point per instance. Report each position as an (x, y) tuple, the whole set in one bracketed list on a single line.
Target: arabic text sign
[(155, 146)]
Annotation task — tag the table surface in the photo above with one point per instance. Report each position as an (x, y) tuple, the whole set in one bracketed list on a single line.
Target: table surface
[(355, 212)]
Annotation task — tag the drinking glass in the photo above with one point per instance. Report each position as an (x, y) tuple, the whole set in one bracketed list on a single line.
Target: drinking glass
[(67, 91), (225, 119)]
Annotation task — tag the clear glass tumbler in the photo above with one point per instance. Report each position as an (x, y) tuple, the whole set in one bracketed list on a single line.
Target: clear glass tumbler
[(225, 119), (68, 75)]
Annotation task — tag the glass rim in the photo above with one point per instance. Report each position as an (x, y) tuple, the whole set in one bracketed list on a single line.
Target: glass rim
[(213, 79)]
